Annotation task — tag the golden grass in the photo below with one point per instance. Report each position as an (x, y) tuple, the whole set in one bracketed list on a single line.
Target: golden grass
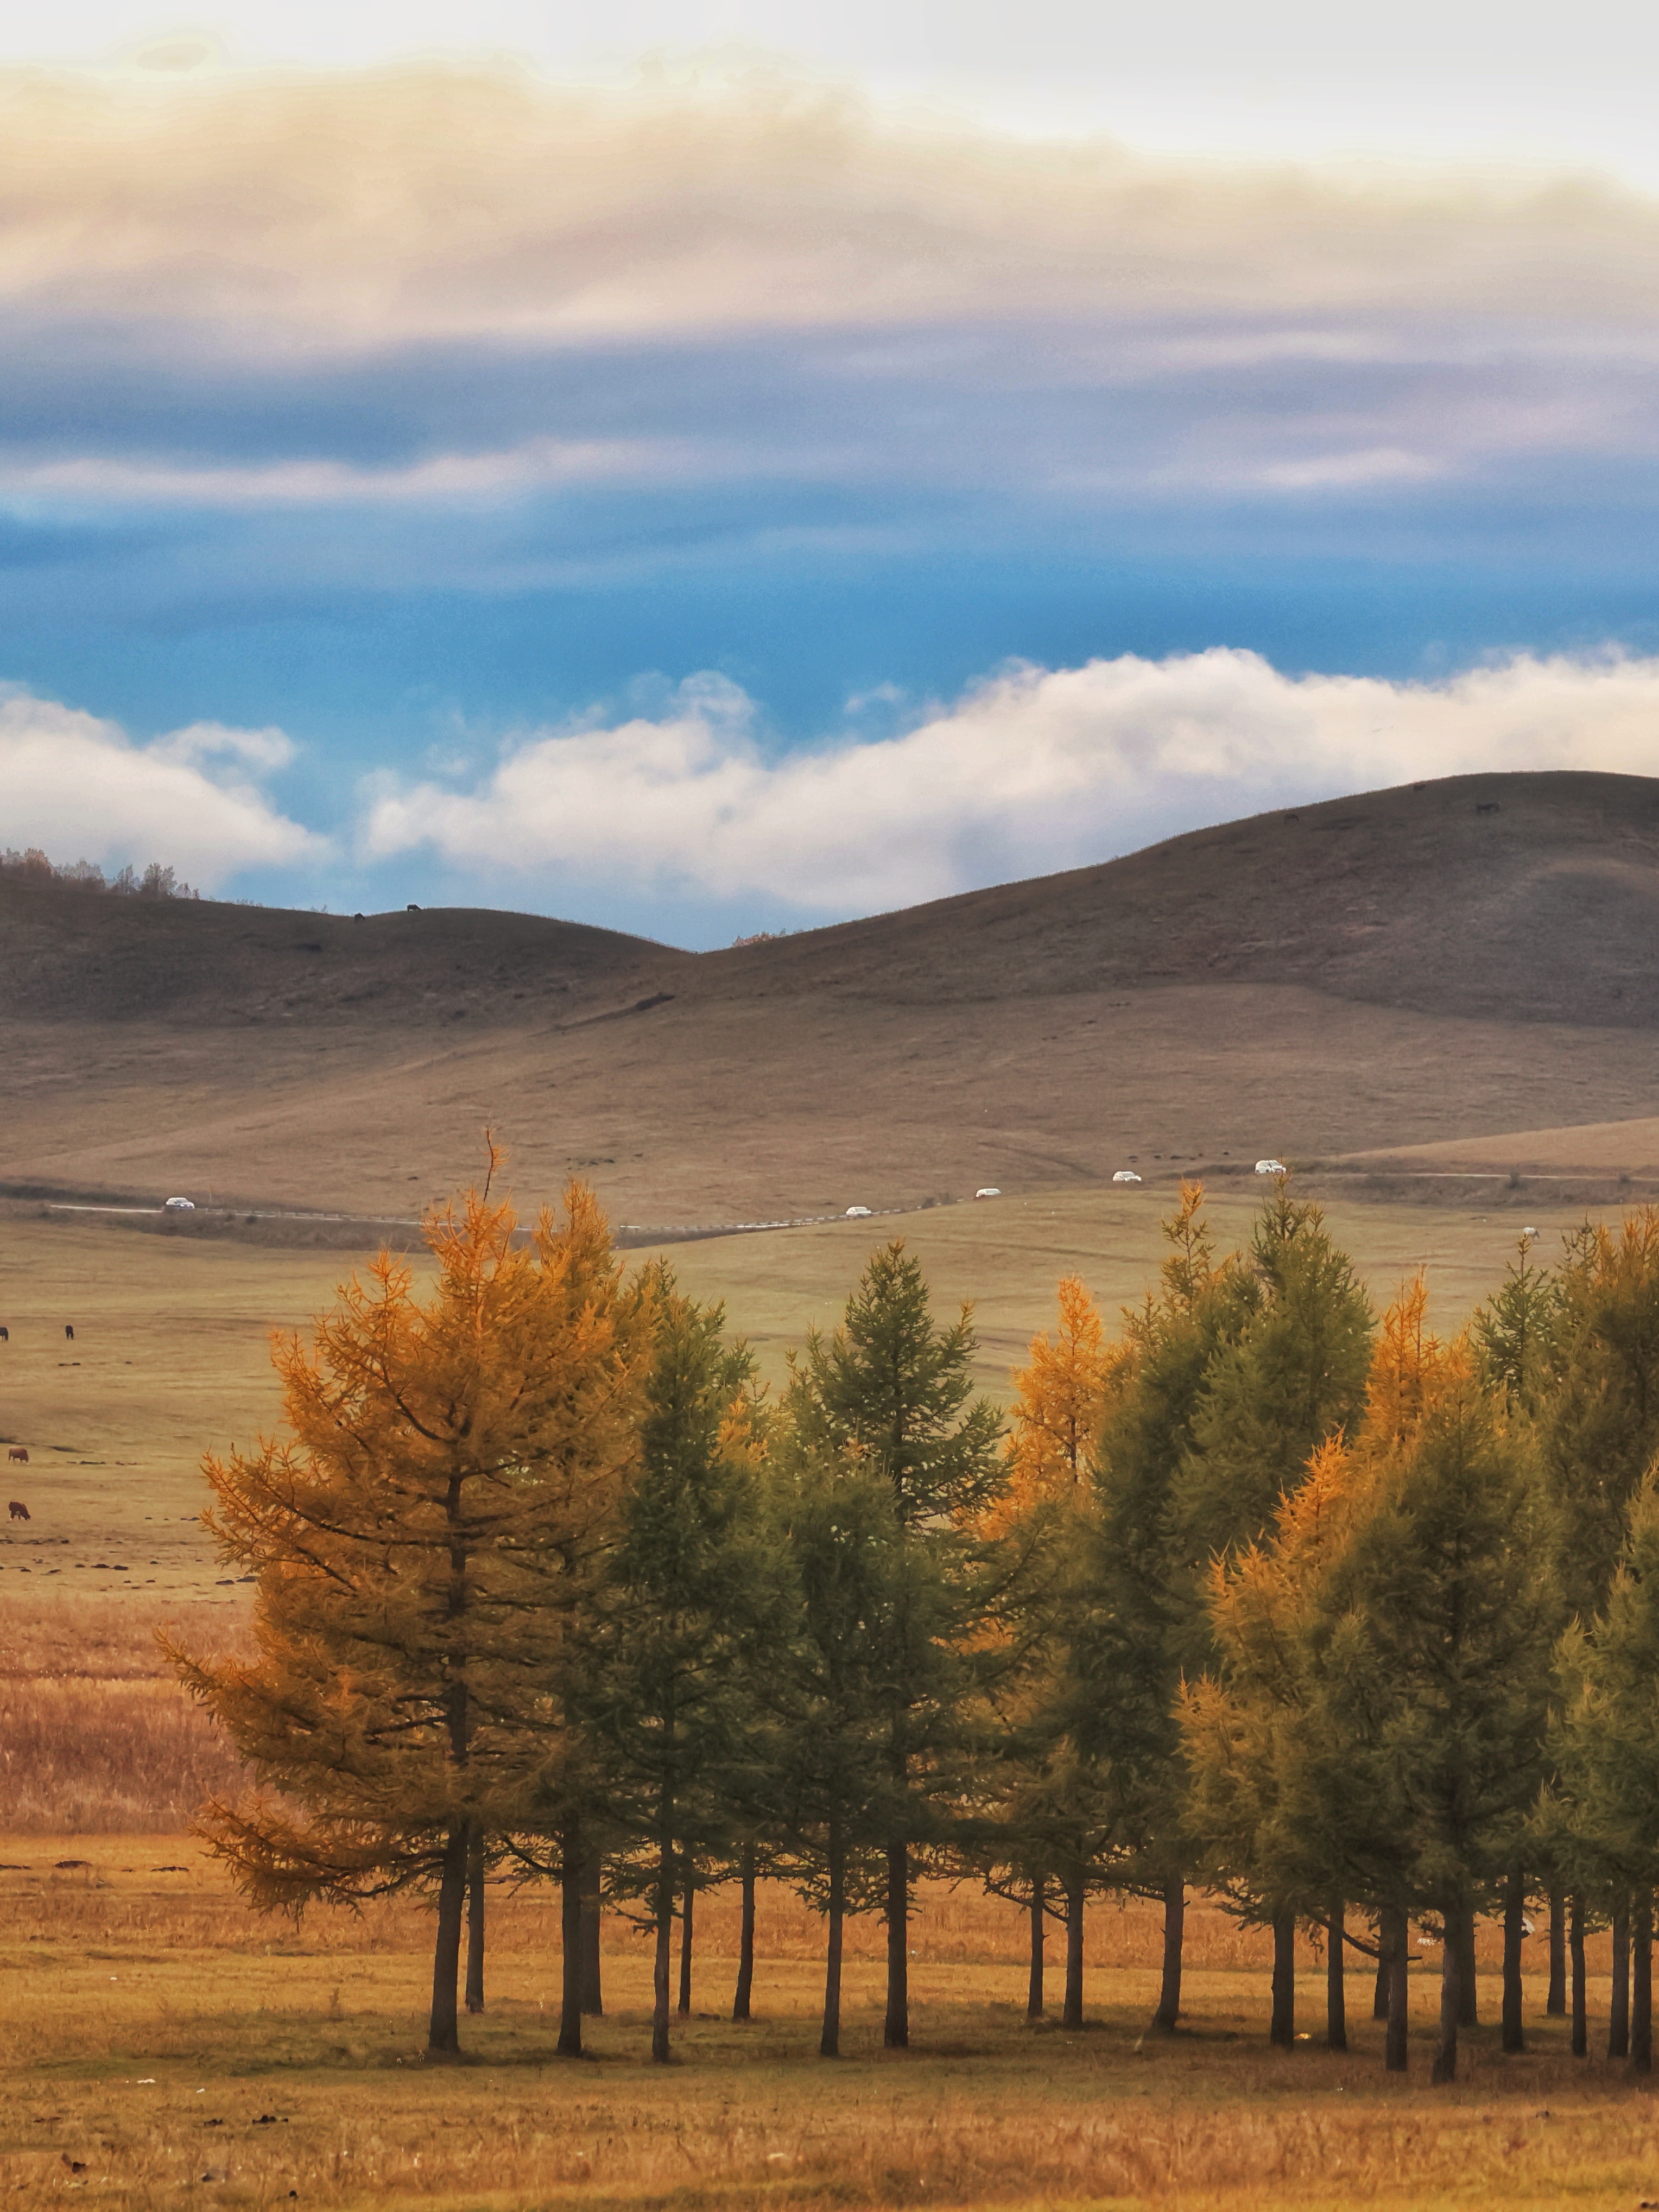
[(95, 1737), (151, 2025)]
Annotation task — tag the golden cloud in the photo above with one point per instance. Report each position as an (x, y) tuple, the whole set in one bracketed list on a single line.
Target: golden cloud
[(363, 208)]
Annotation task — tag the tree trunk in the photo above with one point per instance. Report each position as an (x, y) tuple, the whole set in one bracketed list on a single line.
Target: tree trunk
[(1576, 1948), (593, 1981), (1281, 2029), (572, 1874), (1392, 1933), (1618, 2015), (1641, 1981), (443, 2034), (1468, 1995), (1336, 1989), (1175, 1929), (745, 1938), (659, 1965), (1451, 1997), (1070, 2014), (685, 1936), (895, 2028), (1039, 1916), (1555, 2004), (1513, 2036), (829, 2041), (475, 1920), (1384, 1956)]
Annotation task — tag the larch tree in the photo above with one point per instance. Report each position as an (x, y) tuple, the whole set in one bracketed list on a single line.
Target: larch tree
[(1048, 1828), (890, 1394), (427, 1538)]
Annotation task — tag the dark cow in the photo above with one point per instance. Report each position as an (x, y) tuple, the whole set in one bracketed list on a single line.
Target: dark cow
[(69, 1330), (20, 1453), (17, 1510), (5, 1334)]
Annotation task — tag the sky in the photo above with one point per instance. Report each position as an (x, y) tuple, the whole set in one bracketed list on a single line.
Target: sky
[(700, 468)]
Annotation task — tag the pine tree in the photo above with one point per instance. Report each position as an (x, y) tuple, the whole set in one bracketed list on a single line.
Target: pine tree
[(1608, 1748), (427, 1539), (690, 1593), (890, 1394), (1293, 1378), (1517, 1332), (1599, 1424), (1444, 1679), (1127, 1651), (828, 1696)]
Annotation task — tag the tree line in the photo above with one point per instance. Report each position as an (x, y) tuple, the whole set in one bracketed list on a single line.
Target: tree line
[(1266, 1593)]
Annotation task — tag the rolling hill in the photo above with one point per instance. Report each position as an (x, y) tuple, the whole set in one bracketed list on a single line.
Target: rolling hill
[(1439, 965)]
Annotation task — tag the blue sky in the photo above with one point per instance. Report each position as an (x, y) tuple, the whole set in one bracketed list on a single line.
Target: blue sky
[(464, 461)]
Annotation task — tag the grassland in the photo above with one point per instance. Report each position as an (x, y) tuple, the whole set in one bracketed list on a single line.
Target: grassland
[(171, 1354), (158, 2044), (154, 2033)]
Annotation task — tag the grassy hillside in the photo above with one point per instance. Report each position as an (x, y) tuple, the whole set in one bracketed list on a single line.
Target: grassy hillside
[(1421, 967)]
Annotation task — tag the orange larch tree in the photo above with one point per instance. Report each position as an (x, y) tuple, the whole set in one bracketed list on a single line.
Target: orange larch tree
[(426, 1536)]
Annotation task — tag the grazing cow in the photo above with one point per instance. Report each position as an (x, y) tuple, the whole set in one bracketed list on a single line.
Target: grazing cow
[(5, 1333), (69, 1330), (17, 1510), (20, 1453)]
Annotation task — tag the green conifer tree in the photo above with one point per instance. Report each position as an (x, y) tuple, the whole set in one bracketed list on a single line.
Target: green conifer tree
[(1443, 1681), (1608, 1748), (890, 1394), (828, 1696), (1126, 1651), (690, 1592)]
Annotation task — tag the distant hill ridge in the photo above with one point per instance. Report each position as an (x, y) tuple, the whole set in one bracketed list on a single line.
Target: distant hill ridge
[(1525, 896)]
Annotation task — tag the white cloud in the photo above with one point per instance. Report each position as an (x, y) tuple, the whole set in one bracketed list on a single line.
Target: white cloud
[(536, 465), (79, 789), (1033, 770)]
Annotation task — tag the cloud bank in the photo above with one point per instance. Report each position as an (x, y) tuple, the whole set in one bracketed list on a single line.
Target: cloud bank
[(78, 787), (1034, 770), (420, 203)]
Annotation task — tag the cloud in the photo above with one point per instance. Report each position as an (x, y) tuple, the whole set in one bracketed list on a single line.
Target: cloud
[(1033, 770), (349, 211), (79, 789), (538, 465)]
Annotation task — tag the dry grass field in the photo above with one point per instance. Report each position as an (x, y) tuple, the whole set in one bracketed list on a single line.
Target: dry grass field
[(1388, 980), (159, 2046), (170, 1357)]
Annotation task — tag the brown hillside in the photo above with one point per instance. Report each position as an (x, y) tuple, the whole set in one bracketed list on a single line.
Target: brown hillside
[(1532, 897), (1408, 968)]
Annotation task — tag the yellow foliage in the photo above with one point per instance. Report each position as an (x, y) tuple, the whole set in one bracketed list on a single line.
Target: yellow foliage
[(1061, 1399), (424, 1535)]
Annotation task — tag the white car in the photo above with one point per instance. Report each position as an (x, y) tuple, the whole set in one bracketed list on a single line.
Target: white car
[(1270, 1167), (857, 1213), (1126, 1174), (989, 1191), (179, 1206)]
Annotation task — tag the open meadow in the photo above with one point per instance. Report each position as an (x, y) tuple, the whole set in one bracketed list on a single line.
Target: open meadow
[(159, 2042), (171, 1352), (160, 2045)]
